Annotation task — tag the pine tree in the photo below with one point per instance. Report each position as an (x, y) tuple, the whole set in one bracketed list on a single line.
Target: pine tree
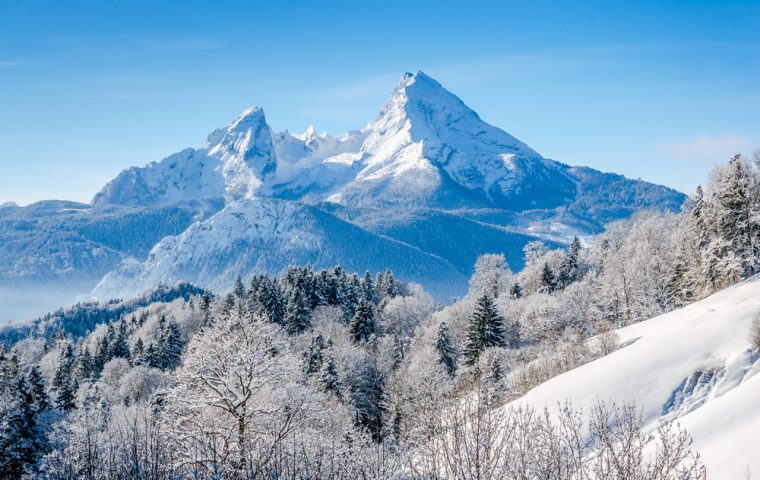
[(138, 353), (206, 309), (548, 283), (297, 314), (515, 291), (171, 346), (22, 438), (313, 356), (486, 329), (390, 285), (119, 347), (569, 268), (368, 395), (329, 377), (368, 288), (446, 352), (84, 365), (363, 325), (273, 301), (62, 380), (239, 288)]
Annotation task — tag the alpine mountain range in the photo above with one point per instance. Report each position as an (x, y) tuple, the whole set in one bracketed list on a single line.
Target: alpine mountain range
[(425, 188)]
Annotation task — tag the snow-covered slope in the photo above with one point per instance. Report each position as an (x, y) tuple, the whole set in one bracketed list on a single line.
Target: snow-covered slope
[(267, 235), (693, 365)]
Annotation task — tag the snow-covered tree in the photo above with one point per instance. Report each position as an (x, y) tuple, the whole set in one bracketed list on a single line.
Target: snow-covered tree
[(447, 354), (486, 329), (363, 324)]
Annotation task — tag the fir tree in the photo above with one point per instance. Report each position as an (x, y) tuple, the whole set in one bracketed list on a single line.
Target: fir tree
[(63, 385), (239, 288), (171, 346), (446, 352), (368, 288), (391, 286), (297, 314), (119, 347), (363, 325), (22, 438), (569, 268), (486, 329), (272, 300), (329, 377), (548, 283), (313, 357), (515, 291), (84, 365), (138, 353), (206, 309)]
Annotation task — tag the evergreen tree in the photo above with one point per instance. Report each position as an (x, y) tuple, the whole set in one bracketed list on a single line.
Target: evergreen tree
[(119, 347), (138, 353), (206, 309), (171, 346), (367, 395), (548, 283), (515, 291), (329, 377), (391, 286), (297, 315), (239, 288), (487, 329), (363, 324), (22, 438), (272, 300), (84, 365), (313, 356), (570, 266), (368, 288), (63, 384), (101, 357), (446, 352)]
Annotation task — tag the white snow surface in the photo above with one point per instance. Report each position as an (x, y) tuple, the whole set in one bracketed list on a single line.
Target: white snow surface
[(693, 365)]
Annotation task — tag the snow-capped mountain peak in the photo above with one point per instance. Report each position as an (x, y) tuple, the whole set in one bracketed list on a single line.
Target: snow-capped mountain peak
[(426, 146), (246, 153)]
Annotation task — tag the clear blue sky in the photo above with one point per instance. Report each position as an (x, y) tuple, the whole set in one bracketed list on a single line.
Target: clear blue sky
[(657, 90)]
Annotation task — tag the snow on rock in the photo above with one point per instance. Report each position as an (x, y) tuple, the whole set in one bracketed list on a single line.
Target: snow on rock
[(693, 365)]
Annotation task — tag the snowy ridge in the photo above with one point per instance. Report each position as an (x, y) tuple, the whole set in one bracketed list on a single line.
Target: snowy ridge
[(692, 365)]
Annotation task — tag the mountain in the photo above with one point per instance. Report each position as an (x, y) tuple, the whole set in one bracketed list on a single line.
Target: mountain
[(267, 235), (693, 365), (427, 173)]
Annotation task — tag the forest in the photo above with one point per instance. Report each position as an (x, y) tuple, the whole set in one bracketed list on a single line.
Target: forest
[(332, 374)]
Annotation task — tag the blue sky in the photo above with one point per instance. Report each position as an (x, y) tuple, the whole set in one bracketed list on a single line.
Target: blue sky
[(656, 90)]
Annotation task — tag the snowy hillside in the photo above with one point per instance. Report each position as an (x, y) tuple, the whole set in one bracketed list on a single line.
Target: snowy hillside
[(262, 235), (693, 365)]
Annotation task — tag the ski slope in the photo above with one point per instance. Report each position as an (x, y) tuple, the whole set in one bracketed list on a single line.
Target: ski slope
[(693, 365)]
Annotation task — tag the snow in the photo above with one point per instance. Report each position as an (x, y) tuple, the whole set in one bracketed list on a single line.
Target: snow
[(692, 365), (262, 234)]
